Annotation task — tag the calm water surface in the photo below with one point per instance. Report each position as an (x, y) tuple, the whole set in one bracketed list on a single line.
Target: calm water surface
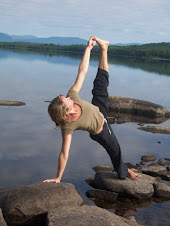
[(29, 146)]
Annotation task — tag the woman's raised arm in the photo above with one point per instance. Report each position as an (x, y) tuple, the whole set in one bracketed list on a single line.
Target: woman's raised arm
[(84, 65)]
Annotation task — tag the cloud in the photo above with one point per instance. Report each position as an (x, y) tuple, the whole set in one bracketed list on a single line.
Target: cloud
[(116, 20)]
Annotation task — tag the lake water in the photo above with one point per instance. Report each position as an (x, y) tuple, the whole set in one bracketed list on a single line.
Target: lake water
[(29, 146)]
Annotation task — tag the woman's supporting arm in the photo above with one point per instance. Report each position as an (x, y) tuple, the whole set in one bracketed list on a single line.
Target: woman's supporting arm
[(84, 65), (62, 159)]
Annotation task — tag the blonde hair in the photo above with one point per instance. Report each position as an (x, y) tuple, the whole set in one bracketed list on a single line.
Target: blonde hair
[(58, 111)]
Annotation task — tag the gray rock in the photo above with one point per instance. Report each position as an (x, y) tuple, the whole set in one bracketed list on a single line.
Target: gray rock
[(156, 129), (148, 158), (154, 170), (11, 103), (162, 190), (107, 196), (136, 107), (90, 181), (140, 188), (103, 168), (85, 216), (21, 204), (2, 221), (142, 162)]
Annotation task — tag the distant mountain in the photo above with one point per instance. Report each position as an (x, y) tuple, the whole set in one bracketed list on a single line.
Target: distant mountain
[(33, 39), (53, 40), (5, 38)]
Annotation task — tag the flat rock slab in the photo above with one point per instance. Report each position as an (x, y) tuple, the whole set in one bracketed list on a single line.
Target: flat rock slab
[(11, 103), (23, 203), (107, 196), (156, 129), (85, 216), (136, 107), (154, 170), (2, 221), (140, 188), (162, 190)]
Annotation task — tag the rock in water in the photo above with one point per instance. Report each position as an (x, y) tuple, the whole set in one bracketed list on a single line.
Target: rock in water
[(136, 107), (21, 204), (148, 158), (85, 216), (11, 103), (140, 188), (162, 190)]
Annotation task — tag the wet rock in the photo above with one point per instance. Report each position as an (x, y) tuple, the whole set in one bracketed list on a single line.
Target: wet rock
[(140, 188), (159, 142), (90, 181), (11, 103), (130, 166), (154, 171), (2, 221), (136, 107), (22, 204), (162, 190), (148, 158), (107, 196), (154, 164), (85, 216), (103, 168)]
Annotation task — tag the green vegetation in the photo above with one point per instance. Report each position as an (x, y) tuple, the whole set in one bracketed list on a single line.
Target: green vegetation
[(153, 50)]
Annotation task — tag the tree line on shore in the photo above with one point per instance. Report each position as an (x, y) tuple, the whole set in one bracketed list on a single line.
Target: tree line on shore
[(152, 50)]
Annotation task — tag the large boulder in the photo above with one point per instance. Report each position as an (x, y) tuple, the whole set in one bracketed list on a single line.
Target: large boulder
[(28, 203), (85, 216), (139, 188), (2, 221), (136, 107)]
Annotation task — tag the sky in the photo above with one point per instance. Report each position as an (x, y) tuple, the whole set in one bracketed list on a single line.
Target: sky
[(119, 21)]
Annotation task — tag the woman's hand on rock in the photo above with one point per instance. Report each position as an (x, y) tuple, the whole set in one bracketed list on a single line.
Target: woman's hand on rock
[(54, 180)]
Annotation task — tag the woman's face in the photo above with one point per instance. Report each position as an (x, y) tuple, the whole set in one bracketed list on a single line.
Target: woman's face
[(68, 102)]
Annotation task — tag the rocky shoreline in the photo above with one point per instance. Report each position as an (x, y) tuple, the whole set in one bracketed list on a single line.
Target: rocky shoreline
[(60, 204)]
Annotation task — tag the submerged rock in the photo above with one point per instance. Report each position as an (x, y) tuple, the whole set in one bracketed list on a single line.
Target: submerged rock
[(136, 107), (2, 221), (30, 203), (156, 129), (162, 190), (85, 216), (11, 103), (140, 188)]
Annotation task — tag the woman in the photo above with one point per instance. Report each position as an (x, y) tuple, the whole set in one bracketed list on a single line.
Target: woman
[(71, 113)]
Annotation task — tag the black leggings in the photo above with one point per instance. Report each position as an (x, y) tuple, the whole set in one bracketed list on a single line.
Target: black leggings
[(106, 137)]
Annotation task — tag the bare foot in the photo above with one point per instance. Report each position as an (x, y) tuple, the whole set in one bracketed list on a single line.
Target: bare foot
[(102, 43), (133, 175)]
